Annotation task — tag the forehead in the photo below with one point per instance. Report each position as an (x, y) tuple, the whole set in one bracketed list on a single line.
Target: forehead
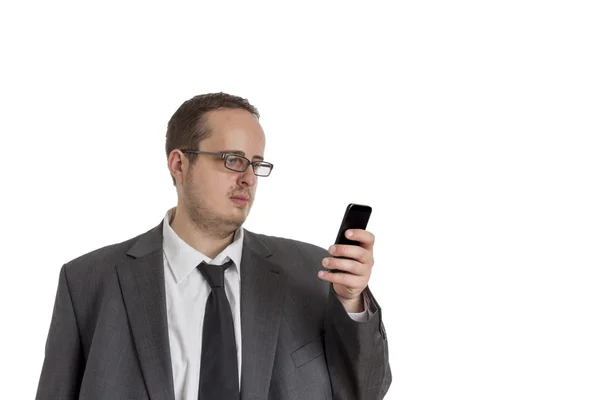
[(234, 127)]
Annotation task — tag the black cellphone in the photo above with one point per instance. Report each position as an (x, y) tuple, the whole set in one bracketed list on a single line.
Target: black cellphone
[(355, 217)]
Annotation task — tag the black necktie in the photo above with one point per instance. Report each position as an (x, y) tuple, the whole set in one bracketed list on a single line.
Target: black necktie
[(218, 364)]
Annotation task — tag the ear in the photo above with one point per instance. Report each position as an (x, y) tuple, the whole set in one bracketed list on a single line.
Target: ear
[(178, 165)]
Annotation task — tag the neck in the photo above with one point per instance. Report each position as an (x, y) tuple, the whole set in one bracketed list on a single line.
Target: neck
[(203, 241)]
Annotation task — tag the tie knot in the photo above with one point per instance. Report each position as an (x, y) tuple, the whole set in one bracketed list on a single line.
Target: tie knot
[(214, 273)]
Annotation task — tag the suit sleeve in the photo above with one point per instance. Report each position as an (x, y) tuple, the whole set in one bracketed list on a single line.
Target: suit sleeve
[(356, 352), (63, 362)]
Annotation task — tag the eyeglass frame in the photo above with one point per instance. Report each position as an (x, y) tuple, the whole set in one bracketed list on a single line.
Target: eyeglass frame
[(224, 157)]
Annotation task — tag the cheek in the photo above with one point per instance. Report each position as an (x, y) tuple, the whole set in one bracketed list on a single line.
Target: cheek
[(209, 187), (225, 187)]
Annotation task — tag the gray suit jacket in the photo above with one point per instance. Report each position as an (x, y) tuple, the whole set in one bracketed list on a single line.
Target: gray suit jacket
[(108, 336)]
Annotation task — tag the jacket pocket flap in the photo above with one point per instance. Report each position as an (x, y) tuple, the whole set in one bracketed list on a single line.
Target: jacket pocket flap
[(308, 352)]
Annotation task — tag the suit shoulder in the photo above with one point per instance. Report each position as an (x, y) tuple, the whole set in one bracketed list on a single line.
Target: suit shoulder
[(277, 243), (100, 258)]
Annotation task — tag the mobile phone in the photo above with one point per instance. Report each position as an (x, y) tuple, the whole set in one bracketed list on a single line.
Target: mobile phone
[(355, 217)]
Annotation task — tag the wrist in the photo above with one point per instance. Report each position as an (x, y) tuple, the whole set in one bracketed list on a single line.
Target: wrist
[(355, 305)]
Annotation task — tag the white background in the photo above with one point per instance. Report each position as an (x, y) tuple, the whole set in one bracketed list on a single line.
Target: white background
[(470, 127)]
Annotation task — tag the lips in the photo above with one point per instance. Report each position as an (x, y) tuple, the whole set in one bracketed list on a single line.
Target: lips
[(240, 201)]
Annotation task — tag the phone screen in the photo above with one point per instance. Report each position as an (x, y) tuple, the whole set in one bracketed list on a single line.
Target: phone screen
[(356, 217)]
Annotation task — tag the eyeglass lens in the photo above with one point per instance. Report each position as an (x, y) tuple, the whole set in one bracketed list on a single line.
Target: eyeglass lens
[(241, 164)]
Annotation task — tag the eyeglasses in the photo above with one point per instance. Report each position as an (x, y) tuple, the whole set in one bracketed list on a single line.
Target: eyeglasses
[(236, 162)]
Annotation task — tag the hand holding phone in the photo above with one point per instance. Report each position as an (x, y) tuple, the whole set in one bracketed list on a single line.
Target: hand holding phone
[(355, 217)]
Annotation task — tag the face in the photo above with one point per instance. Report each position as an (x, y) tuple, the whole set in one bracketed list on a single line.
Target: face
[(209, 190)]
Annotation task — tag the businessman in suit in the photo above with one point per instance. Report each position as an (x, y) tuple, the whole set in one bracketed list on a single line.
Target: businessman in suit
[(200, 308)]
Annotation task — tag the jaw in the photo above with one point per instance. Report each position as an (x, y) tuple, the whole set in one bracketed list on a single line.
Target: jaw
[(242, 212), (236, 213)]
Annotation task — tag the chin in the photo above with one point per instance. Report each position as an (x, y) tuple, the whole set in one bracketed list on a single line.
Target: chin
[(238, 216), (241, 215)]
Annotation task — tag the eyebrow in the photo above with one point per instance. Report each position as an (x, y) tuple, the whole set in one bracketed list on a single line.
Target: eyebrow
[(241, 153)]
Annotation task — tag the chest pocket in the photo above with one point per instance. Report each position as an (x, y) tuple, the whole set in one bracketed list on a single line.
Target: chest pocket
[(308, 352)]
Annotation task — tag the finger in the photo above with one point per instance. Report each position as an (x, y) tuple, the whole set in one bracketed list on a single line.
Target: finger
[(357, 253), (353, 282), (348, 266), (366, 238)]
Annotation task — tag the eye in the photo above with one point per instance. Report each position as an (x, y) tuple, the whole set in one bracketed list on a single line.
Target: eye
[(233, 160), (236, 163)]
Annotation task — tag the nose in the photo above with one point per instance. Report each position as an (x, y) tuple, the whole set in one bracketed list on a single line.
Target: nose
[(247, 177)]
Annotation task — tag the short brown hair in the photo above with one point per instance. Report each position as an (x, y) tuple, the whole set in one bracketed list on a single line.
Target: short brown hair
[(187, 127)]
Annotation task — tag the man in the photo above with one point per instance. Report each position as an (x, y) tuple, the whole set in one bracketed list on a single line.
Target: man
[(200, 308)]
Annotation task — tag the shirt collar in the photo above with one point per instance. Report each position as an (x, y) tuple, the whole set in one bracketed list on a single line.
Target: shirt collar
[(183, 258)]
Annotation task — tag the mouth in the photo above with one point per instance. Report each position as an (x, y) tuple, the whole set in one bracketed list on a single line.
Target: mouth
[(240, 200)]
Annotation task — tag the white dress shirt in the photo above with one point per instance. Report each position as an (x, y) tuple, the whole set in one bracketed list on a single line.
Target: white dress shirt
[(186, 293)]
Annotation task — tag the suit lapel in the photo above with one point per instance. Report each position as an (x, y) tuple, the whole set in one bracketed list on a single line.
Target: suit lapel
[(143, 286), (142, 282), (261, 302)]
